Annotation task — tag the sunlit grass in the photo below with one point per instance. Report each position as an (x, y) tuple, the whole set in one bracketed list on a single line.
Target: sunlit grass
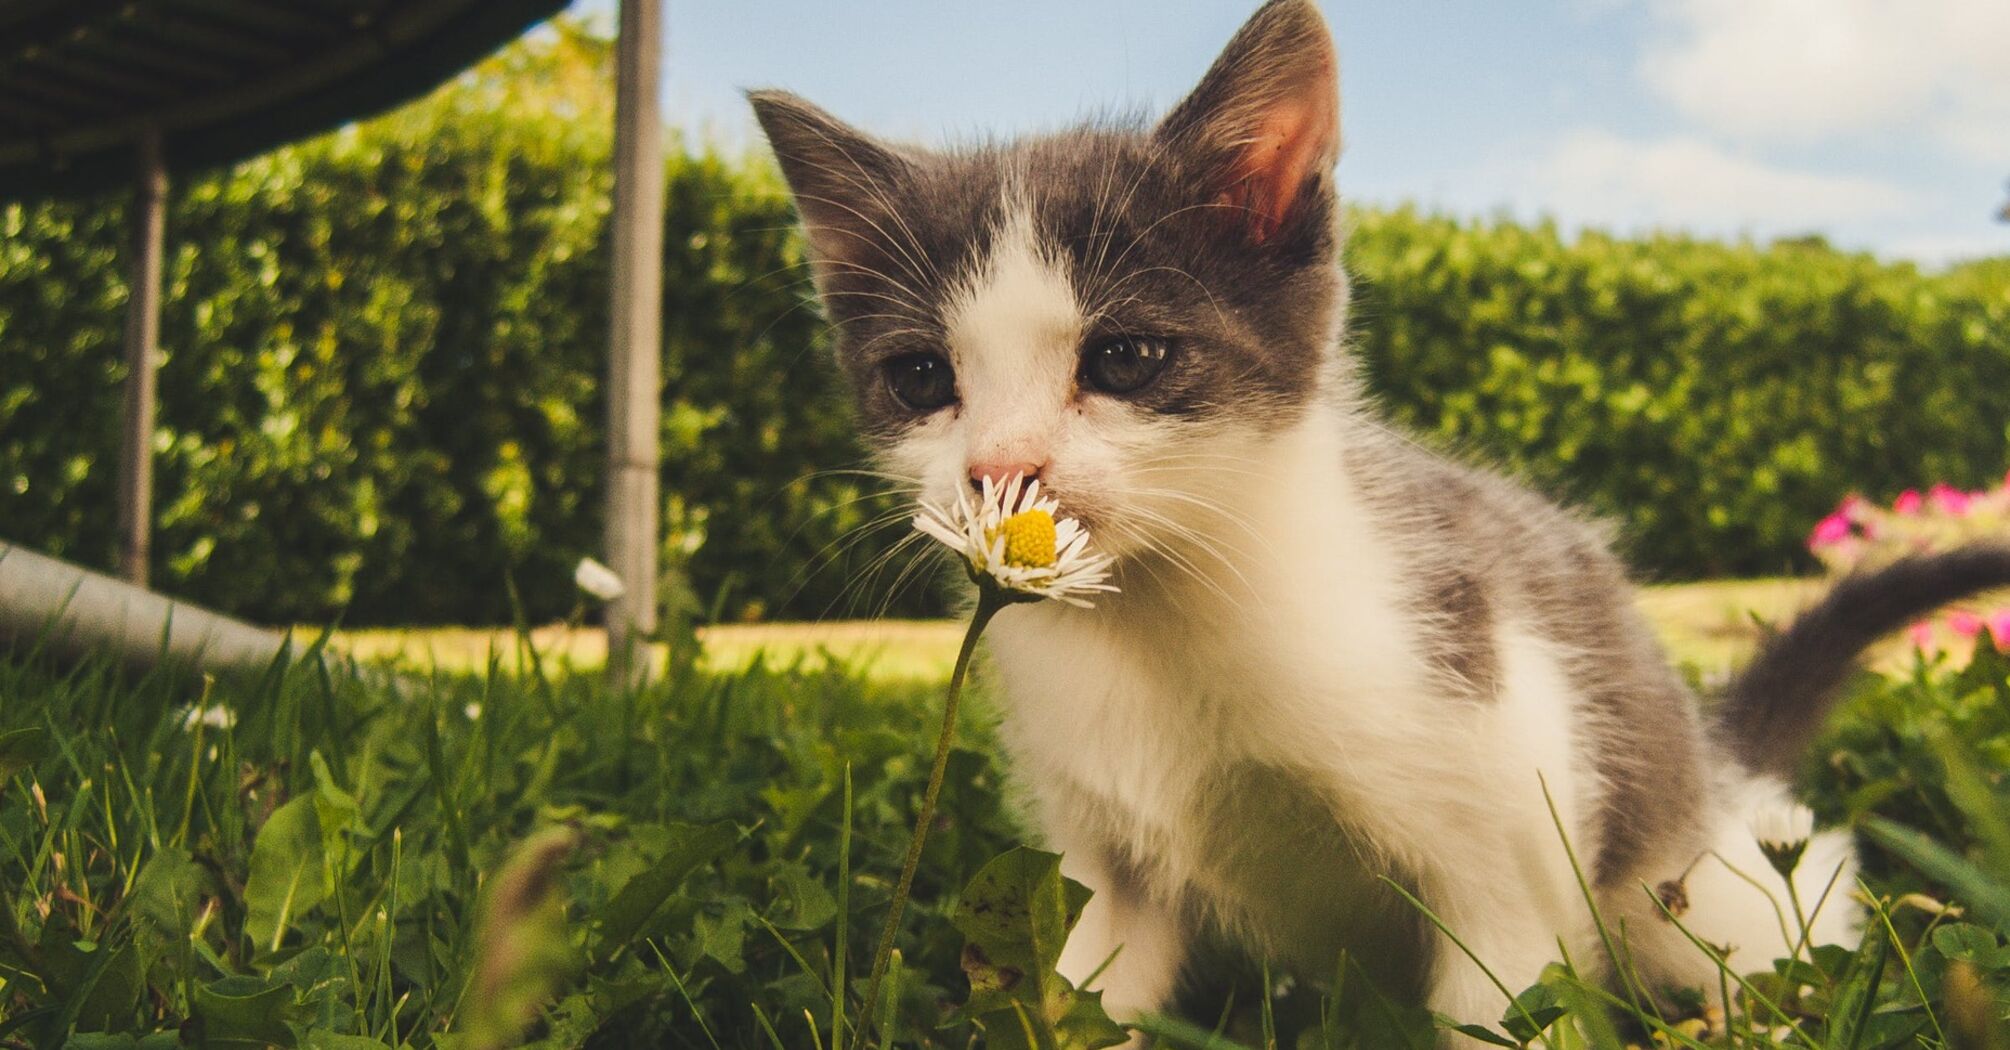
[(879, 650), (1712, 626)]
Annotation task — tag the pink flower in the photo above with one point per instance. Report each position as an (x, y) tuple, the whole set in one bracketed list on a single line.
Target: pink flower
[(1922, 634), (1829, 531), (1949, 500), (1853, 507), (1999, 628), (1908, 502), (1964, 623)]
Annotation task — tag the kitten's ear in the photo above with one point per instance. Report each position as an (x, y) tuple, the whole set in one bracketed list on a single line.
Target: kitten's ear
[(840, 176), (1265, 121)]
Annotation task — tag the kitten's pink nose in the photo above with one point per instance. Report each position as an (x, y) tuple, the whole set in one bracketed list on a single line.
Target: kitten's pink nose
[(1000, 473)]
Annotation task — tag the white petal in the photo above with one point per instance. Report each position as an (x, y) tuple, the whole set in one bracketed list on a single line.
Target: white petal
[(1783, 825), (934, 514), (214, 717), (598, 580), (942, 533)]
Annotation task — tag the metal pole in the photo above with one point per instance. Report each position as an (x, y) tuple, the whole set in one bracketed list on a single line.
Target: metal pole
[(74, 611), (634, 375), (143, 325)]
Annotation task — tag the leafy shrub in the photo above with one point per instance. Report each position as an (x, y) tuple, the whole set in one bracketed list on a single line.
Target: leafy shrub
[(1713, 399), (384, 349), (381, 393)]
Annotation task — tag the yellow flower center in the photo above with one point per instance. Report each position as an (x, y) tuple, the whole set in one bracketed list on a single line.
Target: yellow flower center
[(1029, 539)]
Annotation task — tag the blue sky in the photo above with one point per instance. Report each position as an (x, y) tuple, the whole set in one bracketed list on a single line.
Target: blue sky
[(1883, 124)]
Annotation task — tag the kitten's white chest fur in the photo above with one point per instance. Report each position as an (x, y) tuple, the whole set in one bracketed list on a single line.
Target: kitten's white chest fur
[(1260, 748)]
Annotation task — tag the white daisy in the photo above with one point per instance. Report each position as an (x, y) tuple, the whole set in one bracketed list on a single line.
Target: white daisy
[(1008, 535), (213, 716), (598, 580), (1783, 832)]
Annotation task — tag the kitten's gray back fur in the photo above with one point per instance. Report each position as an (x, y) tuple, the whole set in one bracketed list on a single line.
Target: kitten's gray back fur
[(1484, 550)]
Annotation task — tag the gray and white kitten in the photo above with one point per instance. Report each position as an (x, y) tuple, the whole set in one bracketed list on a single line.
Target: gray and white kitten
[(1335, 657)]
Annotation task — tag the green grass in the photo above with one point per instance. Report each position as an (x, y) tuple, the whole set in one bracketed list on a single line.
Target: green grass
[(457, 859)]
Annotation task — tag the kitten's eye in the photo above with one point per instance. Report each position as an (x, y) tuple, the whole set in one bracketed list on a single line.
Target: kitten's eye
[(922, 382), (1124, 364)]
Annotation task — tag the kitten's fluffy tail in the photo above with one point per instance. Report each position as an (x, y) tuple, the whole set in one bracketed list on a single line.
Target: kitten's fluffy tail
[(1774, 708)]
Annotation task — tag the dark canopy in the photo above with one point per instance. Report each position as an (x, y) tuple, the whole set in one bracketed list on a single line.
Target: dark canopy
[(220, 79)]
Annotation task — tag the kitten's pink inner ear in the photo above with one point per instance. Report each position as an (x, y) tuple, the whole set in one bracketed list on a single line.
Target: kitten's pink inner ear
[(1294, 141)]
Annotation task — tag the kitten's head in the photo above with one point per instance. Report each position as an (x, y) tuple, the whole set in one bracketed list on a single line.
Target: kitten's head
[(1128, 312)]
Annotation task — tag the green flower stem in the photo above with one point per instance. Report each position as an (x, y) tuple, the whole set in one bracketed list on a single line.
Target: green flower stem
[(1800, 916), (990, 599)]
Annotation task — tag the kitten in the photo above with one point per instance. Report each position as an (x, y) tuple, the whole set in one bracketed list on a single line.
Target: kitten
[(1336, 658)]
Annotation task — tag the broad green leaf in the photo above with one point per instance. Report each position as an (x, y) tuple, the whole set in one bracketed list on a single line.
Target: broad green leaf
[(724, 939), (1015, 916), (98, 985), (1802, 972), (1534, 1010), (1588, 1014), (246, 1012), (337, 813), (115, 991), (1969, 943), (287, 879), (1088, 1025), (168, 892), (800, 901), (321, 979), (627, 913), (1895, 1029), (1484, 1034), (1019, 909)]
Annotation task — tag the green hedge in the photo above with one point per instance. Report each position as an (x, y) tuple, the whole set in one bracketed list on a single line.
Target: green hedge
[(384, 347), (381, 393), (1715, 400)]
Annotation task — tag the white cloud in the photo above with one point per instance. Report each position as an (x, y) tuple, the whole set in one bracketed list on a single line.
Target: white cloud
[(1681, 182), (1818, 69)]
